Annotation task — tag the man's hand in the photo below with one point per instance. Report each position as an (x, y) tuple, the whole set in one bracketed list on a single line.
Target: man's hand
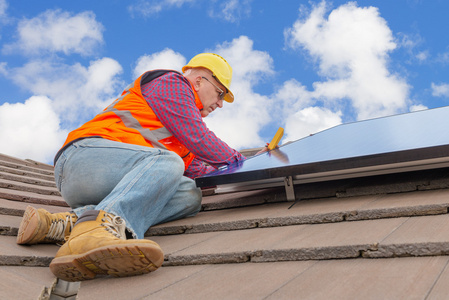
[(265, 149)]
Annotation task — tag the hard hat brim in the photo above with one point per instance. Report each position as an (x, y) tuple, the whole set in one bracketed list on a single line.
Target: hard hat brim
[(229, 97)]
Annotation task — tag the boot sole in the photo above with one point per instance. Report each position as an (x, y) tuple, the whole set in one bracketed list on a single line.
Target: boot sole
[(28, 226), (114, 260)]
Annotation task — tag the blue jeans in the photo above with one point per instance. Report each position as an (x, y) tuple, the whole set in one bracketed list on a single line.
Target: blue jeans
[(143, 185)]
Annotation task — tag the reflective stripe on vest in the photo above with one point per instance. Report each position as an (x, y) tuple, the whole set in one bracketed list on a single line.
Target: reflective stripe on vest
[(153, 136)]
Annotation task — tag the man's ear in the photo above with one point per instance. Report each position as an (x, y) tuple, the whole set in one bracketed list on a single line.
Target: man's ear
[(197, 83)]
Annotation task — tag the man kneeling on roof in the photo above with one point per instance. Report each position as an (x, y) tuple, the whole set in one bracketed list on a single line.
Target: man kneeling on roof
[(131, 167)]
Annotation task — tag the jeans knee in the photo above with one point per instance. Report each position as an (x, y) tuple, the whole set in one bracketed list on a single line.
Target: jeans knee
[(193, 203), (177, 165)]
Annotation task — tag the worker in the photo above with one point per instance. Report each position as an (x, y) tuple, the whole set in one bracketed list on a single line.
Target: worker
[(132, 167)]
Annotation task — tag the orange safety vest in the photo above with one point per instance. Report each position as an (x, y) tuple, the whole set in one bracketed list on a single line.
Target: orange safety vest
[(129, 119)]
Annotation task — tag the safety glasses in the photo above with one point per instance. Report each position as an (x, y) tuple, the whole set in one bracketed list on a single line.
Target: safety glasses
[(221, 93)]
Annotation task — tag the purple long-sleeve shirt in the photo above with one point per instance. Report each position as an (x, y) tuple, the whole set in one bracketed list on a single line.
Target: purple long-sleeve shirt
[(173, 101)]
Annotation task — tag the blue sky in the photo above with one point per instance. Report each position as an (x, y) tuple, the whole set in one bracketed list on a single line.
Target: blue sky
[(305, 66)]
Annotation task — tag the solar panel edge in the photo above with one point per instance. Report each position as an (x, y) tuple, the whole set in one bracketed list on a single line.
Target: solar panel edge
[(327, 166)]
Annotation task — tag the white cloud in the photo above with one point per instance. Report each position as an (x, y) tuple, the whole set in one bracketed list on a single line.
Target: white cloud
[(229, 10), (418, 107), (30, 129), (166, 59), (65, 95), (77, 92), (443, 58), (299, 111), (309, 121), (232, 10), (293, 96), (422, 56), (151, 7), (351, 48), (248, 64), (3, 8), (440, 90), (240, 123), (3, 70), (411, 42), (4, 17), (58, 31)]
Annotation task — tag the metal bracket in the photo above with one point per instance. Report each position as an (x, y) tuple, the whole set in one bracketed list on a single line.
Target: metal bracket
[(289, 190)]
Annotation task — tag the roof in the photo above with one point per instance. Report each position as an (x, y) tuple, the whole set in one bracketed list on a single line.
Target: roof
[(376, 237)]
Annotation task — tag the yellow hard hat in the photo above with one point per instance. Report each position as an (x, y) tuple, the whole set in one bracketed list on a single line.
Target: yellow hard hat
[(220, 68)]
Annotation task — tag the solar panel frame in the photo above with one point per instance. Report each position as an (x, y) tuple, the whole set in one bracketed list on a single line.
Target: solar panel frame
[(418, 139)]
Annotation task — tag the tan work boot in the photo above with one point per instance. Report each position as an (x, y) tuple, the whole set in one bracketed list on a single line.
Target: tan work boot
[(98, 246), (40, 226)]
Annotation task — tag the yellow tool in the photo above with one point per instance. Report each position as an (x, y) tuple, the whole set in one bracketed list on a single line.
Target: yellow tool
[(277, 137)]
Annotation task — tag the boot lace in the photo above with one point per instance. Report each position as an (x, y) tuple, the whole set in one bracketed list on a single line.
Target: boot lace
[(114, 225), (57, 228)]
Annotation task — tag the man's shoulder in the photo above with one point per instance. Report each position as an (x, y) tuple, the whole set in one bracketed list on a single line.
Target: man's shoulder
[(161, 74)]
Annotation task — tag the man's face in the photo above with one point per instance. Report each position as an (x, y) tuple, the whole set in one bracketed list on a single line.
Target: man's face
[(211, 95)]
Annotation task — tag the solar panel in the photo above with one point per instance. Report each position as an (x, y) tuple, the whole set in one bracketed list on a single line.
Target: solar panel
[(399, 143)]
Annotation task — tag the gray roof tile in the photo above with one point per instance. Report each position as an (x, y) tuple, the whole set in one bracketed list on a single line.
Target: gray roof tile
[(25, 283), (321, 210), (12, 254), (395, 278), (399, 278), (314, 241)]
